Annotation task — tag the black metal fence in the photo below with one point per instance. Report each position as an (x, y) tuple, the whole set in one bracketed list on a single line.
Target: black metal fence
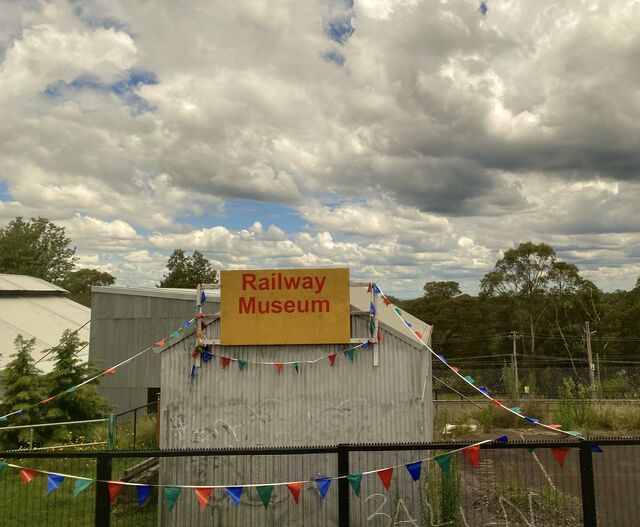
[(515, 484)]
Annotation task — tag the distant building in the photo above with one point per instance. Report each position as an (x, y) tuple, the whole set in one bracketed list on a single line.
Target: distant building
[(32, 308), (126, 320)]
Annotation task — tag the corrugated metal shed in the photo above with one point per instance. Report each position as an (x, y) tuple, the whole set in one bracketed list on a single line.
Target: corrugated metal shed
[(127, 320), (319, 405), (34, 308)]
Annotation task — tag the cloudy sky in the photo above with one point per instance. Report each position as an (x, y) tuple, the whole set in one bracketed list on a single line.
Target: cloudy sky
[(409, 140)]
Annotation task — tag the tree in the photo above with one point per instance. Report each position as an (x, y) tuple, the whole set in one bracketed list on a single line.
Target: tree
[(22, 385), (79, 283), (442, 290), (68, 371), (36, 248), (522, 275), (188, 271)]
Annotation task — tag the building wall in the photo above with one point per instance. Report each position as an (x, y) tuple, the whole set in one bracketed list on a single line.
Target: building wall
[(122, 325), (320, 405)]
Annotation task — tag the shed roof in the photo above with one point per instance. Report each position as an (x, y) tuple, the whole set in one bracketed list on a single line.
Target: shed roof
[(161, 292), (33, 312)]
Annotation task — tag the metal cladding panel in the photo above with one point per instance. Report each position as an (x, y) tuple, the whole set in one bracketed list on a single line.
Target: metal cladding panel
[(320, 405), (125, 324)]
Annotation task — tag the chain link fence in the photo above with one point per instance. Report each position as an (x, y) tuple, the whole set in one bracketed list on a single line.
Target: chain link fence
[(610, 382)]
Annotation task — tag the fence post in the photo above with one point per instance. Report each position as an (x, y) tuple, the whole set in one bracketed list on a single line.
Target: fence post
[(103, 503), (343, 486), (587, 485), (111, 432), (135, 425)]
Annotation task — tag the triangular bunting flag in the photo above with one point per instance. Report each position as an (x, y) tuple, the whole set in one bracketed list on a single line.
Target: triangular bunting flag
[(265, 491), (3, 465), (51, 398), (71, 390), (53, 482), (143, 492), (203, 297), (200, 315), (296, 367), (455, 368), (531, 420), (365, 346), (192, 376), (397, 311), (242, 364), (485, 390), (418, 334), (409, 324), (278, 367), (114, 490), (224, 362), (160, 343), (555, 426), (372, 328), (473, 455), (332, 359), (441, 357), (203, 494), (372, 308), (235, 493), (385, 476), (496, 402), (560, 453), (502, 439), (295, 489), (574, 433), (414, 470), (355, 480), (516, 409), (175, 334), (469, 379), (386, 301), (596, 449), (27, 474), (323, 486), (369, 289), (171, 494), (350, 354), (186, 324), (80, 485), (379, 336), (110, 371), (530, 450), (444, 462), (376, 289)]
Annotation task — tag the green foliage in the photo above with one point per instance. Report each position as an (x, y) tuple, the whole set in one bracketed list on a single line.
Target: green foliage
[(79, 283), (36, 248), (575, 409), (516, 505), (22, 387), (188, 271), (440, 496), (69, 370), (442, 290)]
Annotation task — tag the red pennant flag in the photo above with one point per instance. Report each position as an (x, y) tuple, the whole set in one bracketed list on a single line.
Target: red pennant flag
[(369, 289), (200, 315), (386, 301), (332, 359), (160, 343), (46, 400), (379, 335), (560, 453), (496, 402), (203, 494), (295, 489), (194, 353), (385, 476), (455, 368), (114, 490), (27, 474), (224, 362), (278, 367), (555, 426), (110, 371), (418, 334), (473, 455)]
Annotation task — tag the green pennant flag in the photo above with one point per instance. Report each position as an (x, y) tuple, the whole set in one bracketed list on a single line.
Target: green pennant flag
[(516, 409), (265, 492), (444, 462), (355, 480), (351, 354), (397, 311), (469, 379), (3, 465), (171, 494), (175, 334), (574, 433), (242, 364), (71, 390), (80, 485), (296, 367), (372, 326), (530, 449)]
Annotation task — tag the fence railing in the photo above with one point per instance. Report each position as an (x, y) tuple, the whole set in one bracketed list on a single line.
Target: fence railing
[(517, 483)]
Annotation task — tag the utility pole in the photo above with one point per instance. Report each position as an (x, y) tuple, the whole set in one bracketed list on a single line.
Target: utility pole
[(514, 336), (590, 358)]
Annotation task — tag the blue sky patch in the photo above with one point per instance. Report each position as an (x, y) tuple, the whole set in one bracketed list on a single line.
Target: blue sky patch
[(335, 57), (4, 192), (125, 88), (338, 24)]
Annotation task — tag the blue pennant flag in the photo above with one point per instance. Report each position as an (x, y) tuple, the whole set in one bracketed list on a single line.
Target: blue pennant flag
[(596, 448), (53, 482), (484, 390), (409, 324), (532, 420), (143, 492), (376, 289), (372, 308), (441, 357), (193, 372), (206, 354), (414, 469), (186, 324), (365, 345), (323, 486), (503, 439), (234, 493), (203, 297)]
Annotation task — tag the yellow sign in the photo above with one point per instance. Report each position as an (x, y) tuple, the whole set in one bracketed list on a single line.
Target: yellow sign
[(297, 306)]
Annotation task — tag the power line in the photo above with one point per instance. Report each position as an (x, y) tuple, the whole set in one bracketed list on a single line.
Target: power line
[(48, 351)]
